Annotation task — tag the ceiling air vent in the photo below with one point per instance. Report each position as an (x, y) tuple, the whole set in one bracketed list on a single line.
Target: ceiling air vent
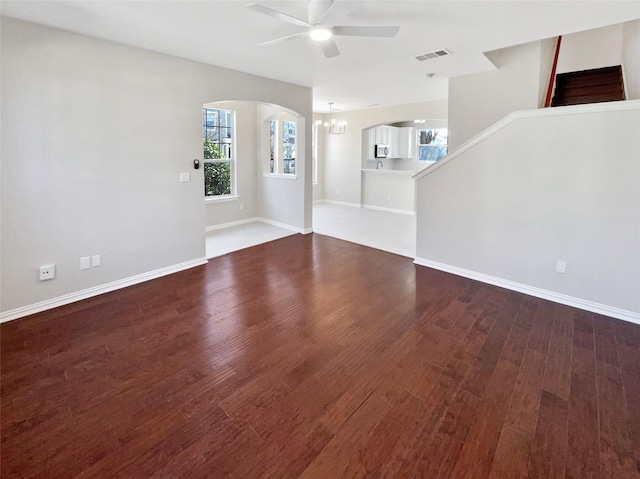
[(432, 55)]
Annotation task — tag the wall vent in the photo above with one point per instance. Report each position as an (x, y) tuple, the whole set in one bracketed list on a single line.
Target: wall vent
[(432, 55)]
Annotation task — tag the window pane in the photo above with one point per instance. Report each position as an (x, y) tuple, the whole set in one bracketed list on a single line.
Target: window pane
[(289, 139), (217, 143), (272, 146), (217, 179), (432, 153), (433, 137)]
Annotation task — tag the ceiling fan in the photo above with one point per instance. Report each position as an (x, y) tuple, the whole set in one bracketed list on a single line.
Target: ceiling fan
[(318, 29)]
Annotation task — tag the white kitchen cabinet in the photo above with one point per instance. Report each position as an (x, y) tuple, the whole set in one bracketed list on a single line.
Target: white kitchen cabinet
[(405, 142)]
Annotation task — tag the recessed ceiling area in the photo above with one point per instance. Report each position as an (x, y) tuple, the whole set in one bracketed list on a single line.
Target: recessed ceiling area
[(381, 71)]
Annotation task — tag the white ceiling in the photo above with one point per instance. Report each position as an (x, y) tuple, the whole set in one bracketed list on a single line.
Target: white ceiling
[(369, 71)]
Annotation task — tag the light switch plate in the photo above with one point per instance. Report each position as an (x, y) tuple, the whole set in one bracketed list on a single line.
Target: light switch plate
[(561, 267), (85, 262), (185, 177), (95, 260)]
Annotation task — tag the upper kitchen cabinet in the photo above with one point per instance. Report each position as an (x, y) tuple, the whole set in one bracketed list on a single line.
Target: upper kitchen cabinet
[(401, 141)]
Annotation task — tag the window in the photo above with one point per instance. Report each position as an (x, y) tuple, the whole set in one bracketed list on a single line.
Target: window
[(219, 168), (273, 131), (289, 147), (432, 144)]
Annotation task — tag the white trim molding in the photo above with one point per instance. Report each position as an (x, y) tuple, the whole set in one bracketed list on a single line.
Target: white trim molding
[(97, 290), (230, 224), (340, 203), (389, 210), (281, 176), (517, 115), (284, 226), (220, 199), (257, 219), (579, 303)]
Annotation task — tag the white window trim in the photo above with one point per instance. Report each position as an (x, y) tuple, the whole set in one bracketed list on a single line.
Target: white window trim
[(221, 198), (234, 186), (278, 161), (284, 176)]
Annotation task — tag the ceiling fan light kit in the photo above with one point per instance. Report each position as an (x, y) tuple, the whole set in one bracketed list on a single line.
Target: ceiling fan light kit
[(317, 12), (320, 34)]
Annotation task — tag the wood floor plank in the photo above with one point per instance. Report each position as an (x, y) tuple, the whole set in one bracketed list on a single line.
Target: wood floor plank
[(583, 443), (314, 357), (511, 460), (557, 375), (549, 449)]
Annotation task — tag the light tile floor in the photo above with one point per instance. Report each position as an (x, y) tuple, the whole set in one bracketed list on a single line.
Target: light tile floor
[(392, 232), (234, 238)]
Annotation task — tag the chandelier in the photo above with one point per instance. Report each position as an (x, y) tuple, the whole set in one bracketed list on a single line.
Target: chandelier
[(333, 127)]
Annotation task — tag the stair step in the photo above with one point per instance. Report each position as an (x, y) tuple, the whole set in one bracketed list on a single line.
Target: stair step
[(580, 100), (587, 81), (589, 86), (613, 88)]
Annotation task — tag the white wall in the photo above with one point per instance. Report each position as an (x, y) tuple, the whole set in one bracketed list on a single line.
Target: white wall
[(94, 136), (478, 101), (245, 206), (631, 58), (521, 80), (279, 195), (564, 187), (342, 159), (388, 191), (597, 48)]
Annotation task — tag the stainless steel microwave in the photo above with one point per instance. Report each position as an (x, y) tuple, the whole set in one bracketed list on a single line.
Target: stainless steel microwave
[(381, 151)]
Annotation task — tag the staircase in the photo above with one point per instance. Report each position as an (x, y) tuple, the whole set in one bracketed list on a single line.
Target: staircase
[(589, 86)]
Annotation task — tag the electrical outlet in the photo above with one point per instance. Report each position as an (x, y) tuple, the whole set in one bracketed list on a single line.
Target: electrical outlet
[(95, 260), (47, 271), (85, 262), (561, 267)]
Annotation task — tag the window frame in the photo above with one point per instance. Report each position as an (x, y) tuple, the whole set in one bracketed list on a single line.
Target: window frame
[(231, 160), (275, 137), (420, 145), (289, 162)]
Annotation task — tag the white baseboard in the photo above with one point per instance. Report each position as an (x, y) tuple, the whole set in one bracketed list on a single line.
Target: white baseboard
[(533, 291), (255, 219), (230, 224), (389, 210), (284, 226), (97, 290), (340, 203)]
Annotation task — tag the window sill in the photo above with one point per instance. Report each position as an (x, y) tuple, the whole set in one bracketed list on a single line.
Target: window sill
[(221, 199), (280, 175)]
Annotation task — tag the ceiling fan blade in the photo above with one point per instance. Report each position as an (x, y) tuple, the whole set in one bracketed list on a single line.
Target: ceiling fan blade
[(276, 14), (338, 11), (318, 9), (366, 31), (330, 48), (281, 39)]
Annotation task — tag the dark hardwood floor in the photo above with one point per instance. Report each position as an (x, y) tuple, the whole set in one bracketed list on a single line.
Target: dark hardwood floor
[(317, 358)]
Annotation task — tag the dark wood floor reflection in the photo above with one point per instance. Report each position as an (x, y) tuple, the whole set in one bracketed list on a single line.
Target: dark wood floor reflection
[(312, 357)]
